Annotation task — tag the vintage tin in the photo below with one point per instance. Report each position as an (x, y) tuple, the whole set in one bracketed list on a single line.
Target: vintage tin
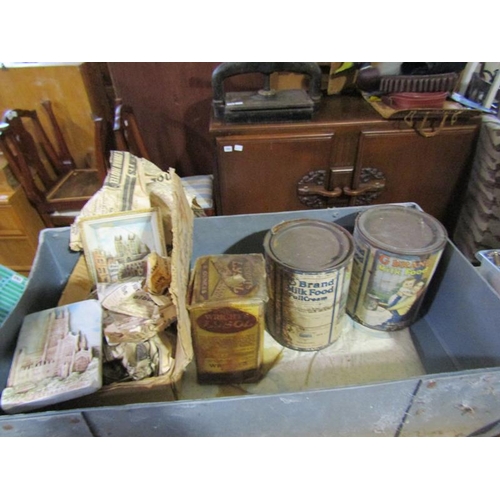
[(226, 307), (308, 264), (397, 250)]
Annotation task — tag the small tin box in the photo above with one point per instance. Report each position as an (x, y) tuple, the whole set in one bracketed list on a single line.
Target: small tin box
[(226, 306)]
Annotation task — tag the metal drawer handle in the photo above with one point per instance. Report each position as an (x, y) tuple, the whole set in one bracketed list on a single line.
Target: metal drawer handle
[(311, 190), (373, 185), (315, 190)]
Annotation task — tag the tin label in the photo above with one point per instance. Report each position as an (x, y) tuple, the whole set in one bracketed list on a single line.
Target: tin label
[(226, 320), (306, 310), (228, 339), (387, 289)]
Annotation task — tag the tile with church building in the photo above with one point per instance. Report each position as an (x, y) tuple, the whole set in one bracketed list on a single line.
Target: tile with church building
[(58, 357), (116, 246)]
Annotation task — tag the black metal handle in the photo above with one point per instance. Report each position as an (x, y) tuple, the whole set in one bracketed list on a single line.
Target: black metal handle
[(227, 69)]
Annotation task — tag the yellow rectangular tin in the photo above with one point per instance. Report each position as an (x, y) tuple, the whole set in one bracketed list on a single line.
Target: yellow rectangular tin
[(226, 306)]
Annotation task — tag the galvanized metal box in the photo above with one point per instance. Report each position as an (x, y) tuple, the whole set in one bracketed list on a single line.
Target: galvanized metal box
[(457, 338)]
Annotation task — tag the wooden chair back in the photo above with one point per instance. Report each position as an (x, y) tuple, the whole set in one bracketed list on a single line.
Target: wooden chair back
[(104, 143), (126, 131), (50, 178), (125, 135), (63, 152), (121, 135)]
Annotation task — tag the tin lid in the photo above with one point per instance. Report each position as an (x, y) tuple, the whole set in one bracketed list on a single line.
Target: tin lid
[(401, 230), (309, 245)]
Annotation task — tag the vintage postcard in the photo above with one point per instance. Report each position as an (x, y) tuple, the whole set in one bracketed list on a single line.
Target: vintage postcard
[(117, 246), (58, 357)]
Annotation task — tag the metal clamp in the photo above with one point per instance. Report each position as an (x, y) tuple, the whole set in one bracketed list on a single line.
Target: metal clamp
[(228, 69)]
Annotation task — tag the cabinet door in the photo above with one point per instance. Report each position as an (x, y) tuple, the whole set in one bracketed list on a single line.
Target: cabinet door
[(258, 174), (429, 171)]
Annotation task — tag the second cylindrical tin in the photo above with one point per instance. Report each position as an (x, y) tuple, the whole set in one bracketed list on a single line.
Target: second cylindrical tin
[(397, 250), (308, 264)]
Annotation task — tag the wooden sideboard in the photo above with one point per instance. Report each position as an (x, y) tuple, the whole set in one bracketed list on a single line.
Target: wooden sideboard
[(346, 155), (20, 225)]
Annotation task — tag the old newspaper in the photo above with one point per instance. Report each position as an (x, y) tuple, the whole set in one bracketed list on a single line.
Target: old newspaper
[(135, 183)]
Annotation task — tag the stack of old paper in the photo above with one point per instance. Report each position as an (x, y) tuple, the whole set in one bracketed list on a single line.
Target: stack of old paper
[(478, 224)]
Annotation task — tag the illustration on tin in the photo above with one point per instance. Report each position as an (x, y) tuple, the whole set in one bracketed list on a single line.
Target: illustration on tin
[(396, 290), (57, 357), (403, 301), (116, 246)]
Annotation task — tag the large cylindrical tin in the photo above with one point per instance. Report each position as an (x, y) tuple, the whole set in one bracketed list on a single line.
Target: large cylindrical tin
[(397, 250), (308, 267)]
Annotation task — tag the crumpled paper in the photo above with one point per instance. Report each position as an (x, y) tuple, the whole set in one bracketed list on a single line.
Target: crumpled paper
[(153, 304)]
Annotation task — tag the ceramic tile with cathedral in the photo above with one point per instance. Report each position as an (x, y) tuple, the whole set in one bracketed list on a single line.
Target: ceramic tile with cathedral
[(116, 246), (57, 357)]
